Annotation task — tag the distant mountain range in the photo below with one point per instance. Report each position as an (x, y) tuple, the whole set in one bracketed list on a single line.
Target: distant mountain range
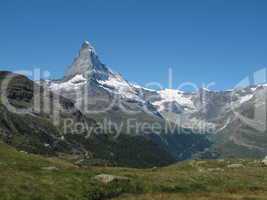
[(208, 124)]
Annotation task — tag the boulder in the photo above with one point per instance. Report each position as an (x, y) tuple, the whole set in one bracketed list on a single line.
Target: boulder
[(215, 169), (107, 178), (50, 168), (264, 162), (235, 166), (24, 152)]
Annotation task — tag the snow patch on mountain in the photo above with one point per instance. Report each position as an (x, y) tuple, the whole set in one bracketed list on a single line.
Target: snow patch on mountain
[(141, 87), (115, 82), (75, 83), (245, 98), (171, 95), (119, 86)]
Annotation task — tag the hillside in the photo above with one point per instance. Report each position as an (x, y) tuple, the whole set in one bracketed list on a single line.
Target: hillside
[(29, 177), (34, 130)]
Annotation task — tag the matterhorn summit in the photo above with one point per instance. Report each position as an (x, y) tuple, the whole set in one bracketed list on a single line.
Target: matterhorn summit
[(102, 94), (86, 69), (87, 64), (88, 75)]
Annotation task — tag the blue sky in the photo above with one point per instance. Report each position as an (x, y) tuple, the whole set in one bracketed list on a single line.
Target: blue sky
[(205, 41)]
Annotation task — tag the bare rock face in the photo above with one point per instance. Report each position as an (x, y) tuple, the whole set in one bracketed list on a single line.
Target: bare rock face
[(107, 178), (86, 63)]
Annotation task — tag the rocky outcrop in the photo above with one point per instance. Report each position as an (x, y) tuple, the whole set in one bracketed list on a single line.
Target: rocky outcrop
[(234, 166), (107, 178), (264, 162)]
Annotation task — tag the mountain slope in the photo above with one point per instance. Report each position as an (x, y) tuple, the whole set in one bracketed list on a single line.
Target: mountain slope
[(40, 129), (29, 177), (101, 93), (207, 123), (104, 95)]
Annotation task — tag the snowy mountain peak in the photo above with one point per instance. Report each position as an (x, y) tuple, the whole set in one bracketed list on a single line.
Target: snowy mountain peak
[(86, 63), (86, 45)]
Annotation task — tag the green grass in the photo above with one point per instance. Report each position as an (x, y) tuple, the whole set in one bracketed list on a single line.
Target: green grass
[(23, 177)]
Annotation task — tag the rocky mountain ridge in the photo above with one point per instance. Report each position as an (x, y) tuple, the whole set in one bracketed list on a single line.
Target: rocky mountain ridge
[(204, 111), (207, 124)]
